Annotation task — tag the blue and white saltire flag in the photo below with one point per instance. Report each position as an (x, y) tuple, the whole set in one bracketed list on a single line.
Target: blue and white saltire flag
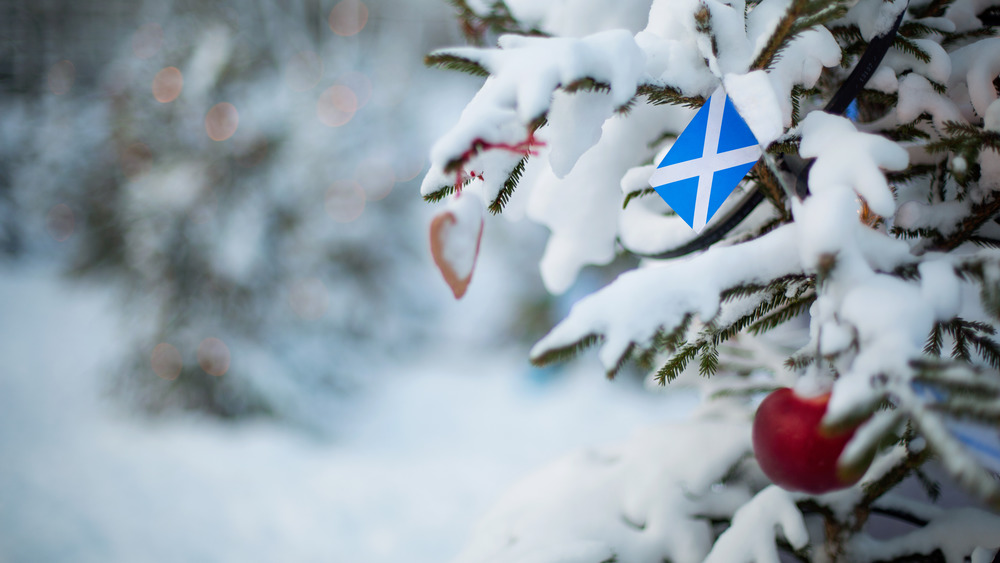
[(713, 153)]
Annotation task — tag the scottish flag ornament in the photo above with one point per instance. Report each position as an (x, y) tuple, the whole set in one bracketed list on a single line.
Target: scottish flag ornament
[(713, 153)]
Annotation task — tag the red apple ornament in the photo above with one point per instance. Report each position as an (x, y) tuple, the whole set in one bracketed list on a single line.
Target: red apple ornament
[(795, 451)]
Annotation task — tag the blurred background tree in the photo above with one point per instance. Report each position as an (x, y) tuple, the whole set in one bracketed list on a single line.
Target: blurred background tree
[(241, 171)]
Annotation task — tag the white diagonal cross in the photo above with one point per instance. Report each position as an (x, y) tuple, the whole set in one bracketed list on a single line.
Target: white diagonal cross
[(708, 163)]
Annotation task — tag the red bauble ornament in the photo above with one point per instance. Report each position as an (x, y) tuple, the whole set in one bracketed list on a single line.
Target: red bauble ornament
[(795, 451)]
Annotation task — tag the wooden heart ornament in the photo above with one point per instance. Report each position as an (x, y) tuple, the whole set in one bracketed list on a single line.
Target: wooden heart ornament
[(455, 236)]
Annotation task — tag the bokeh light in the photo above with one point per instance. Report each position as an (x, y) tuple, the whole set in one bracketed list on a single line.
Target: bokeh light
[(308, 298), (360, 84), (345, 201), (166, 361), (408, 166), (61, 77), (336, 105), (135, 160), (221, 121), (60, 222), (147, 40), (213, 356), (376, 177), (304, 71), (348, 17), (167, 84)]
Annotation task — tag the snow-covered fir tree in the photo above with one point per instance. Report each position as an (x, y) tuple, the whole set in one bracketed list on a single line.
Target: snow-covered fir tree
[(234, 168), (857, 264)]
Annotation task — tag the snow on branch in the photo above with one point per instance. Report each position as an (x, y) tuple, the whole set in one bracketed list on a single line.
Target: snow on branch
[(643, 302), (751, 536), (523, 75), (955, 533), (647, 500)]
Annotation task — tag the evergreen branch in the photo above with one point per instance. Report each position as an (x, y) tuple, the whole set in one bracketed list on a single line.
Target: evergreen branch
[(786, 313), (586, 84), (785, 146), (827, 14), (873, 490), (908, 272), (635, 194), (703, 25), (448, 61), (664, 341), (747, 391), (622, 360), (930, 486), (921, 232), (720, 336), (973, 34), (564, 353), (963, 137), (957, 378), (909, 47), (934, 341), (665, 136), (741, 291), (960, 348), (439, 194), (934, 9), (748, 289), (678, 362), (498, 20), (987, 350), (966, 409), (769, 186), (709, 361), (800, 360), (846, 34), (980, 213), (984, 242), (915, 30), (509, 185), (444, 191), (911, 173), (762, 230), (801, 15), (780, 36), (901, 514), (660, 95), (990, 16), (907, 132)]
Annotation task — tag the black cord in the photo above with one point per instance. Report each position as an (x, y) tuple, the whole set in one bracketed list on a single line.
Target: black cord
[(797, 168)]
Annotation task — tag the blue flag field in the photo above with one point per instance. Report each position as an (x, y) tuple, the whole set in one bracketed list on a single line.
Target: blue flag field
[(713, 153)]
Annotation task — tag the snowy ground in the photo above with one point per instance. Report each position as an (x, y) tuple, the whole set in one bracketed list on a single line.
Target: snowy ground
[(425, 452)]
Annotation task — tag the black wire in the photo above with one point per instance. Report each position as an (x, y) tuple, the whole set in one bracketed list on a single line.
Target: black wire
[(798, 168)]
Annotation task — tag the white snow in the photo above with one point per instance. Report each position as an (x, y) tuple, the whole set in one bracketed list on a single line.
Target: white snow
[(917, 96), (991, 122), (755, 99), (975, 66), (524, 73), (583, 234), (621, 311), (418, 457), (952, 531), (874, 18), (750, 538), (633, 501)]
